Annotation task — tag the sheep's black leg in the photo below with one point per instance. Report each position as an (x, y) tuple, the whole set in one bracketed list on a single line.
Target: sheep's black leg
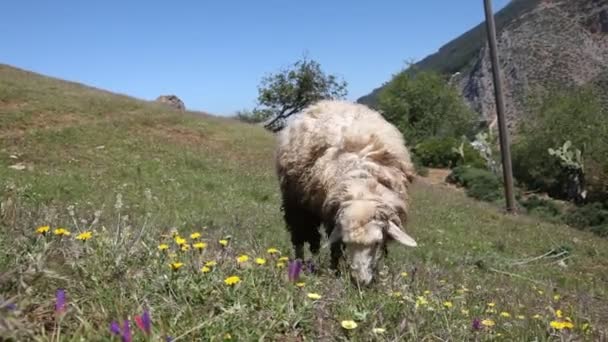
[(303, 227), (336, 254)]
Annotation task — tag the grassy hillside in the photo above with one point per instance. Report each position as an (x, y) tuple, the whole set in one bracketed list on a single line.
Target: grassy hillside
[(463, 50), (131, 172)]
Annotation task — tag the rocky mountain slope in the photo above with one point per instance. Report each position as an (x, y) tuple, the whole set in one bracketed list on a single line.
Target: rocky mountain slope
[(541, 44)]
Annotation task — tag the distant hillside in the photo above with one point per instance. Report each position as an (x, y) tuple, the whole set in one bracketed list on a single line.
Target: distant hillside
[(541, 44), (460, 52)]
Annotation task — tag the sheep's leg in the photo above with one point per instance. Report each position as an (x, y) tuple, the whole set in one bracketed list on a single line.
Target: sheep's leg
[(336, 254), (303, 228)]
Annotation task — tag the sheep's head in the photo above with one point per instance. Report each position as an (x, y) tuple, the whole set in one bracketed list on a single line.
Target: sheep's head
[(365, 226)]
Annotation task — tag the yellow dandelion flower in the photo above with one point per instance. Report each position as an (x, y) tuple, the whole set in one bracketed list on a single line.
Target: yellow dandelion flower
[(314, 296), (448, 304), (522, 317), (195, 236), (505, 314), (223, 242), (205, 269), (559, 325), (260, 261), (174, 232), (556, 297), (163, 247), (176, 265), (43, 229), (272, 251), (84, 236), (232, 280), (210, 263), (491, 304), (537, 316), (420, 300), (300, 284), (242, 258), (378, 330), (464, 312), (491, 310), (488, 322), (185, 247), (404, 274), (348, 324), (559, 313), (180, 240), (61, 232), (280, 264), (227, 336), (284, 258), (200, 245)]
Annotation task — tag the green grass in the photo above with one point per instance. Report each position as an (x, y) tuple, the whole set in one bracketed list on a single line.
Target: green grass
[(83, 147)]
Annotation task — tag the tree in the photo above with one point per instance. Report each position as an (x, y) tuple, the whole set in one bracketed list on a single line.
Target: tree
[(292, 89), (423, 105)]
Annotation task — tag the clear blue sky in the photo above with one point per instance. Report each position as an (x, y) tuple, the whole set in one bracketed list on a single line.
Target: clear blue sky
[(213, 54)]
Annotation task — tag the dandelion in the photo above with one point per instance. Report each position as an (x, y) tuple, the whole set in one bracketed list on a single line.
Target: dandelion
[(43, 230), (223, 242), (242, 258), (210, 263), (560, 325), (348, 324), (491, 304), (163, 247), (232, 280), (314, 296), (61, 232), (559, 313), (522, 317), (176, 265), (260, 261), (284, 258), (84, 236), (556, 297), (448, 304), (404, 274), (227, 336), (195, 236), (280, 264), (537, 316), (60, 301), (185, 247), (294, 269), (180, 240), (300, 284), (205, 269), (421, 301), (272, 251), (464, 312), (378, 330), (200, 245), (505, 314), (488, 322)]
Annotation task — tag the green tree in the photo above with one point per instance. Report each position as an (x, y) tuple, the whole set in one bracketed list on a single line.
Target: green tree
[(290, 90), (423, 105)]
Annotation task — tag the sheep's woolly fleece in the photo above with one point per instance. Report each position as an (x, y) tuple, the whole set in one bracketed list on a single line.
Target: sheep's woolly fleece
[(337, 151)]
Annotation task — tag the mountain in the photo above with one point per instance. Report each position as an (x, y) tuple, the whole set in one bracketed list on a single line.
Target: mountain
[(541, 43)]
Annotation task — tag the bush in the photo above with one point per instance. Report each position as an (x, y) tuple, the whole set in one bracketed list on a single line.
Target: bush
[(561, 116), (542, 208), (586, 216), (479, 184), (442, 152)]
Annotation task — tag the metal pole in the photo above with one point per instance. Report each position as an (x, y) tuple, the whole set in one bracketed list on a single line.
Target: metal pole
[(500, 109)]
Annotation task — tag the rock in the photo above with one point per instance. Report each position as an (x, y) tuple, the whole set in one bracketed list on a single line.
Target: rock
[(172, 101)]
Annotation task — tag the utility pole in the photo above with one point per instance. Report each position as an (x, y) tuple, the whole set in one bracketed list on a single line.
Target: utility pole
[(505, 150)]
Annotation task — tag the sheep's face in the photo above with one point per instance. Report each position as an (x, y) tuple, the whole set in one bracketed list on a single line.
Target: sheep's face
[(365, 227)]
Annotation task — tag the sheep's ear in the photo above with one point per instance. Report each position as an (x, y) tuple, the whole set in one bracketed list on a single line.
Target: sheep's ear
[(335, 236), (399, 235)]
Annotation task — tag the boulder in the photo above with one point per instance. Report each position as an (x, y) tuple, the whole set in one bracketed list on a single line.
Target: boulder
[(172, 101)]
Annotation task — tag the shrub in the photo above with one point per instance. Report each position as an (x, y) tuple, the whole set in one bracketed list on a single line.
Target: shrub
[(447, 152), (586, 216), (541, 207), (479, 184)]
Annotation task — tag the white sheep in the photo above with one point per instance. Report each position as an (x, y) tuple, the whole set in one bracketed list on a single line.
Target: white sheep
[(343, 165)]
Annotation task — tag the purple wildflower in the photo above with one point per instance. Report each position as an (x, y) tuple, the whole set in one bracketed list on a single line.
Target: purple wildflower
[(60, 301), (12, 306), (310, 266), (168, 339), (294, 269), (115, 328), (126, 334), (476, 324), (143, 322)]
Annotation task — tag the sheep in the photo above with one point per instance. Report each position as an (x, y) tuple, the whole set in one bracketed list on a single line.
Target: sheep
[(341, 164)]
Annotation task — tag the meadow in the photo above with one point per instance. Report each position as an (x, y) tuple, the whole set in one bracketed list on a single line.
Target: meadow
[(124, 220)]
